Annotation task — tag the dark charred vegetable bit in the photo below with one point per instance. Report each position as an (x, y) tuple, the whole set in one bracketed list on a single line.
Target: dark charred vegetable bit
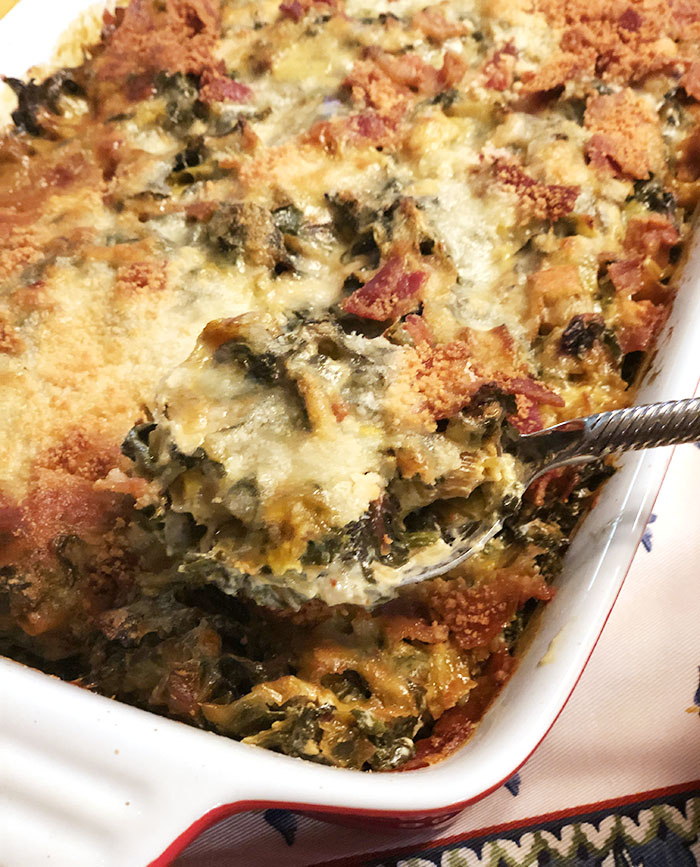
[(348, 686), (351, 283), (446, 98), (135, 447), (350, 218), (244, 230), (183, 105), (422, 538), (264, 367), (32, 97), (652, 194), (193, 155), (606, 288), (288, 219), (180, 532), (631, 365), (611, 344), (299, 731), (551, 525), (427, 247), (516, 627), (365, 245), (393, 741), (376, 536), (226, 232), (581, 333), (240, 674)]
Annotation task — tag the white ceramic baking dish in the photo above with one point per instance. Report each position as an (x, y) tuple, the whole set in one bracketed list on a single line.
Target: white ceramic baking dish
[(88, 781)]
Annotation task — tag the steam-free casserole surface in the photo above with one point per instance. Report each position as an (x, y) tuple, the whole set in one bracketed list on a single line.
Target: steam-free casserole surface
[(482, 205)]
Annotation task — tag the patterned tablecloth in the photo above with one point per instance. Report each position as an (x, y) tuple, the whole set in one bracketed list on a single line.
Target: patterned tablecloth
[(616, 783)]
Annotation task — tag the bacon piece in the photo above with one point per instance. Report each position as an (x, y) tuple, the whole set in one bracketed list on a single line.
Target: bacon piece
[(418, 330), (626, 136), (528, 417), (542, 201), (453, 728), (649, 241), (652, 235), (627, 276), (293, 10), (411, 74), (529, 395), (560, 482), (389, 294), (367, 129), (407, 70), (637, 279), (500, 67), (452, 70), (435, 25), (638, 324), (216, 86), (202, 211), (536, 391), (371, 87), (371, 126), (296, 9), (630, 20), (402, 627)]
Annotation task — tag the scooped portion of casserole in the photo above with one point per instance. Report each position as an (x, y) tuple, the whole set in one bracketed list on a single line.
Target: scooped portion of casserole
[(276, 282), (304, 465)]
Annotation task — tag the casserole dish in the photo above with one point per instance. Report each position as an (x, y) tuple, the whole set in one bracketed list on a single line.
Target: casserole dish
[(122, 768)]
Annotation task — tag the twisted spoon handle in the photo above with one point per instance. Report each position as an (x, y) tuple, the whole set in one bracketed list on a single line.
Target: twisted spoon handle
[(645, 427), (638, 427)]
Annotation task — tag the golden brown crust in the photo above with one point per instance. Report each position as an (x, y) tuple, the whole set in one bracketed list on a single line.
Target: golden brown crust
[(615, 41), (626, 136), (177, 36)]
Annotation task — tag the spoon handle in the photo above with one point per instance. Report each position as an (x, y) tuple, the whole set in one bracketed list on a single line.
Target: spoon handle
[(645, 427), (637, 427)]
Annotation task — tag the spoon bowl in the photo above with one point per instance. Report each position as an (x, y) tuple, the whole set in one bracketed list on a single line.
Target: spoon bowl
[(572, 442)]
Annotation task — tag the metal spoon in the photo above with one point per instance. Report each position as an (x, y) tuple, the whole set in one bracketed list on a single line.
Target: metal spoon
[(574, 442)]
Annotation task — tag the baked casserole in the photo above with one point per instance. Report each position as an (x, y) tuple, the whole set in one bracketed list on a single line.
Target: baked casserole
[(278, 283)]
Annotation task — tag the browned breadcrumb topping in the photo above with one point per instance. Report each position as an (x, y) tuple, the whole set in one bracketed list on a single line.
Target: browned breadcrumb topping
[(626, 135)]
